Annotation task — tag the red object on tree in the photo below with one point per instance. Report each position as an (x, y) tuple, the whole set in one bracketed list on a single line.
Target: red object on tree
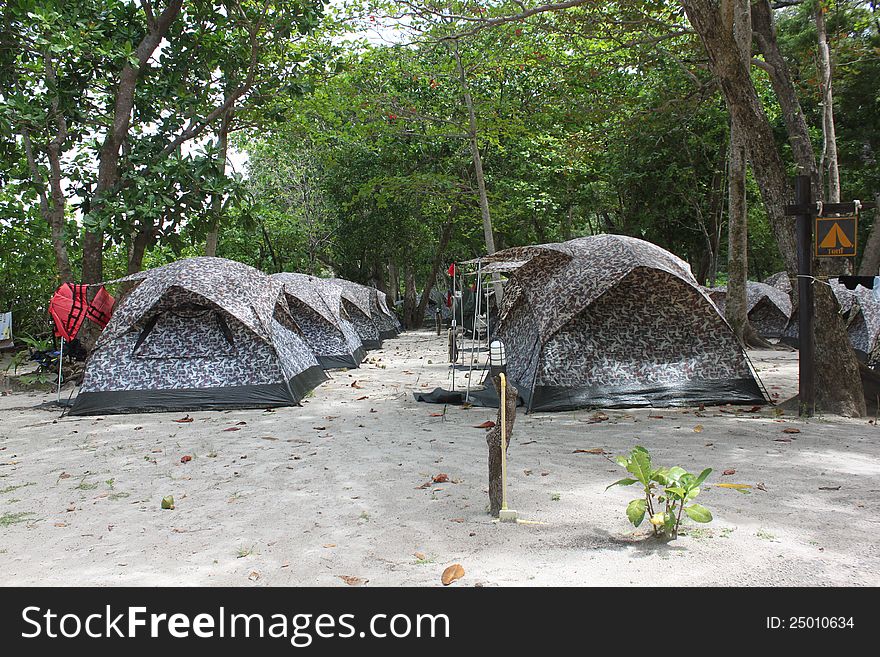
[(70, 306), (449, 299), (451, 270)]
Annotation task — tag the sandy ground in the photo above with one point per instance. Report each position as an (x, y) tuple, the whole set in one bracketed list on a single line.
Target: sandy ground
[(338, 487)]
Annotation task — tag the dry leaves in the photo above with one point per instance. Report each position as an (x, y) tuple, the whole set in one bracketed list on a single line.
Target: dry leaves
[(441, 478), (791, 430), (597, 417), (351, 580), (232, 429), (698, 428), (354, 384), (184, 419), (451, 574), (594, 450), (728, 472), (488, 424), (186, 458)]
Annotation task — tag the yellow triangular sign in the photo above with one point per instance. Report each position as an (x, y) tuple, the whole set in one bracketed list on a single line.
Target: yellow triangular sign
[(835, 239)]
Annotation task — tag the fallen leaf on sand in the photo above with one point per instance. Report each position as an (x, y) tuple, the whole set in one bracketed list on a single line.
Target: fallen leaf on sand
[(168, 502), (791, 430), (72, 507), (458, 520), (186, 458), (241, 424), (254, 576), (729, 472), (435, 414), (319, 428), (454, 572), (184, 419), (354, 384), (760, 486), (232, 429), (64, 475), (441, 478), (594, 450), (419, 555), (61, 524), (362, 398), (329, 545), (597, 417), (488, 424), (698, 428), (353, 581), (739, 487), (656, 417), (427, 484), (782, 440), (829, 487)]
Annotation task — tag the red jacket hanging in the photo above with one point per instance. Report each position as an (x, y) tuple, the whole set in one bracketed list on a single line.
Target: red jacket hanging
[(70, 306)]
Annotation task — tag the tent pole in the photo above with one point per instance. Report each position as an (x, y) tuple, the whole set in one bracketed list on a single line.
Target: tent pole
[(474, 337), (60, 356)]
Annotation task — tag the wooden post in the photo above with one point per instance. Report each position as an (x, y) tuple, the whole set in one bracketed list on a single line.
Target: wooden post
[(806, 350), (493, 440)]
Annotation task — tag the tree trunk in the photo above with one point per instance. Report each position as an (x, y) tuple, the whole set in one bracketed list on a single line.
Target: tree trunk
[(108, 158), (445, 235), (493, 440), (870, 264), (764, 30), (488, 235), (828, 166), (736, 310), (410, 306), (838, 384), (222, 145)]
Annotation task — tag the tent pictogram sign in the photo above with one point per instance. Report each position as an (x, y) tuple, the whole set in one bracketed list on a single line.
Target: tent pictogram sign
[(836, 236)]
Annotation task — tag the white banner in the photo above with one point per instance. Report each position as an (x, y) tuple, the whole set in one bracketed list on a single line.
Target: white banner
[(6, 329)]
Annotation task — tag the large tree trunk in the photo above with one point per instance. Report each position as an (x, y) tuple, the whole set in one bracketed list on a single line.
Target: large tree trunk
[(488, 234), (108, 158), (213, 236), (445, 235), (828, 166), (764, 31), (838, 385), (736, 310)]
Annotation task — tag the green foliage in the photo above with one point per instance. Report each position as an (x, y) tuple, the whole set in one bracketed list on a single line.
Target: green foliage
[(667, 493)]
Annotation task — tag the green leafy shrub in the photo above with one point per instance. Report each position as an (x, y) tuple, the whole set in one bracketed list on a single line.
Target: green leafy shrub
[(667, 493)]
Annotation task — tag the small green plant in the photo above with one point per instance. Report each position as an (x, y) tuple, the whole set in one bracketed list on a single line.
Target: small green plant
[(555, 497), (667, 493)]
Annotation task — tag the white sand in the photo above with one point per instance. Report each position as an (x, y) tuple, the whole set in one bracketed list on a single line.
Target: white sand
[(302, 496)]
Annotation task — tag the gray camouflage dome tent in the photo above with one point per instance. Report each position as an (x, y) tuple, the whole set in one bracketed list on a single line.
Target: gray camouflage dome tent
[(768, 307), (333, 339), (860, 310), (200, 333), (356, 304), (615, 321), (385, 320)]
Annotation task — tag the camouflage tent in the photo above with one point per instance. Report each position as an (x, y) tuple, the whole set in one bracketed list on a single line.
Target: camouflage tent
[(860, 311), (615, 321), (201, 333), (768, 307), (386, 321), (357, 304), (333, 339)]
